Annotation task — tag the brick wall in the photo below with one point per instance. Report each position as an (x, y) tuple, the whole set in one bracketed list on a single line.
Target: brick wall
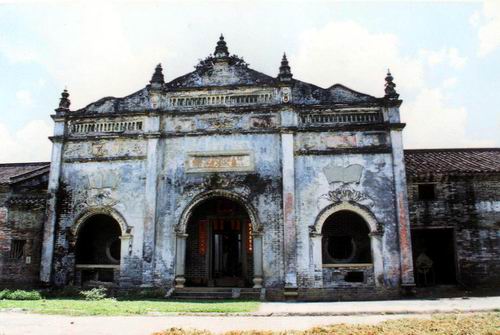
[(20, 220), (470, 205)]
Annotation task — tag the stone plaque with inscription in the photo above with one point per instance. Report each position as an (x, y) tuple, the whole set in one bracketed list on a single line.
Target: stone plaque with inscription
[(219, 161)]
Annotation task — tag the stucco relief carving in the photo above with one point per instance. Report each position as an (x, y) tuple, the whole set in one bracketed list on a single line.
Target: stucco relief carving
[(99, 150), (73, 150), (340, 140), (345, 193), (226, 182), (96, 190), (103, 149), (343, 182), (265, 121), (184, 124), (286, 95), (219, 123)]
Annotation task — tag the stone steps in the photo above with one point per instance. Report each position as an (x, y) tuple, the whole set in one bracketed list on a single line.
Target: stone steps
[(216, 293)]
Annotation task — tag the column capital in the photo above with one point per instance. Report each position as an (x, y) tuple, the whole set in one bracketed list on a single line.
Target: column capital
[(125, 237)]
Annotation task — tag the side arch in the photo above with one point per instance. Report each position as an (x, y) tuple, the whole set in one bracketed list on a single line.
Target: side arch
[(198, 199), (375, 233), (83, 216), (366, 214)]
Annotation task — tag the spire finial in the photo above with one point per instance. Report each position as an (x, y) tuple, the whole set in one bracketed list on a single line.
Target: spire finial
[(157, 79), (221, 48), (285, 73), (64, 102), (390, 87)]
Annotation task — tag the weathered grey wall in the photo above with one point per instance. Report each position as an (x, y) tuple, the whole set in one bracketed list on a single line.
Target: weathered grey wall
[(377, 189), (470, 205), (260, 187), (87, 187)]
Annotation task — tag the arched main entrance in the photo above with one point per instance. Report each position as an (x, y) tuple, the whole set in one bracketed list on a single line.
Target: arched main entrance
[(219, 244), (98, 250)]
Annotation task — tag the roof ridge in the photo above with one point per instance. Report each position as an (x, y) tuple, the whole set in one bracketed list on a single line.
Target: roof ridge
[(27, 174), (452, 149), (24, 164)]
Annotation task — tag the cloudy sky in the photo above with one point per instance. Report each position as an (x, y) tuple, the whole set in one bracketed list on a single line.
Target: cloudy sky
[(445, 57)]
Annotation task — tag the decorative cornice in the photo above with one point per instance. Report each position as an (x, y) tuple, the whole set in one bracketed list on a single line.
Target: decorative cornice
[(103, 159), (383, 149)]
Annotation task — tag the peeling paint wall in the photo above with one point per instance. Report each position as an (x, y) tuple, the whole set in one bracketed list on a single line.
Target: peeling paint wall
[(93, 186), (260, 187), (226, 130), (470, 206), (376, 194)]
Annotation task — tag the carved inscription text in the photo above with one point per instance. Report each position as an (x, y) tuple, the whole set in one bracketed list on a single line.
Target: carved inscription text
[(219, 162)]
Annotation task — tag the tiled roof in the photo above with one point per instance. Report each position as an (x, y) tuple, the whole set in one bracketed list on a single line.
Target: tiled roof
[(452, 161), (9, 172)]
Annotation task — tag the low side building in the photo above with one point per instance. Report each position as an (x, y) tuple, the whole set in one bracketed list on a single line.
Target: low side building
[(454, 197), (23, 195)]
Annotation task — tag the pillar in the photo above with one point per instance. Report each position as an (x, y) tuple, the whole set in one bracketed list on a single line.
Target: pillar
[(317, 258), (148, 247), (51, 211), (403, 220), (180, 264), (257, 260), (289, 227), (125, 251), (377, 257)]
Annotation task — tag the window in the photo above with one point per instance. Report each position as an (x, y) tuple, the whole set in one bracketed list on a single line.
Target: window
[(345, 239), (341, 247), (17, 249), (426, 191)]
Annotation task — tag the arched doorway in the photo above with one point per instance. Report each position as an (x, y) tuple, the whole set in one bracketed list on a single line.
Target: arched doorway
[(219, 244), (98, 250)]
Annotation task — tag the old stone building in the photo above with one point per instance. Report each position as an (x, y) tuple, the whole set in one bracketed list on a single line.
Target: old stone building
[(23, 195), (227, 177), (454, 197)]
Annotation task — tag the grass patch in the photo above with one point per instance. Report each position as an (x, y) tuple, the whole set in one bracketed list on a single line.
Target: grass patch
[(456, 324), (20, 295), (110, 307)]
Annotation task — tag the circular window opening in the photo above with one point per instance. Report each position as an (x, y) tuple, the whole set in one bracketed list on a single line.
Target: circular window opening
[(341, 248), (113, 250)]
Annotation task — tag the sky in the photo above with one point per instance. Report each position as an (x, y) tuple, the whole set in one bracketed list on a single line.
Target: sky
[(444, 56)]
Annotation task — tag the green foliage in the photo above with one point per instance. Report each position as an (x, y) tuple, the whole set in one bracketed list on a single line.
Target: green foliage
[(20, 295), (97, 293), (110, 307)]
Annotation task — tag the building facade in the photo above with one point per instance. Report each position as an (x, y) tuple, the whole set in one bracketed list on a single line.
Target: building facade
[(227, 177)]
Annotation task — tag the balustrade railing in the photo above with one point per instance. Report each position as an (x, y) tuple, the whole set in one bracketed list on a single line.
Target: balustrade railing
[(341, 118), (105, 127)]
